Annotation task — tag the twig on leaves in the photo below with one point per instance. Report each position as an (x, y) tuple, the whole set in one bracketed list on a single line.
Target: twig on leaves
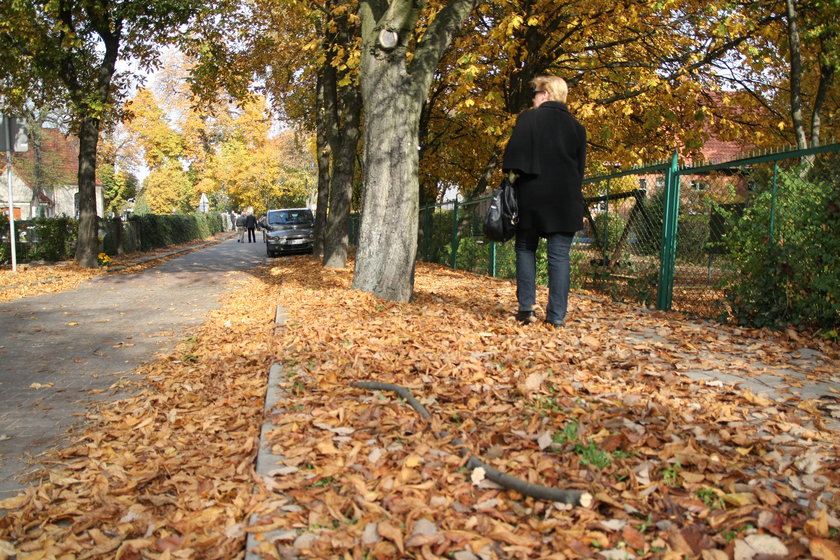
[(404, 392), (572, 497)]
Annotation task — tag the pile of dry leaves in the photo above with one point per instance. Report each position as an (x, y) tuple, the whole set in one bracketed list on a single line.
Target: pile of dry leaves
[(29, 280), (168, 472), (674, 468)]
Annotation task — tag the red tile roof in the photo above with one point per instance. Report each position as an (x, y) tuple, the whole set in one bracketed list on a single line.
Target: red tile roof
[(60, 157)]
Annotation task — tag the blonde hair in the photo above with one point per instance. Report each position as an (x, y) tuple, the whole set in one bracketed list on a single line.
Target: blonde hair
[(554, 86)]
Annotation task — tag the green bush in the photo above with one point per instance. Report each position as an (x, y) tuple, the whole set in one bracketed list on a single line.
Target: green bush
[(692, 238), (41, 239), (610, 226), (55, 237), (788, 274), (158, 231), (648, 227), (692, 231), (435, 235), (472, 255)]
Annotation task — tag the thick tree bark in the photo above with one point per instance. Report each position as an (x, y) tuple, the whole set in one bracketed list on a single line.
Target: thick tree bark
[(87, 244), (323, 146), (795, 75), (393, 92), (388, 234), (341, 184)]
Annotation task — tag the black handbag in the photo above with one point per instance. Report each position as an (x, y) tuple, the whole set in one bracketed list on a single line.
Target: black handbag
[(503, 214)]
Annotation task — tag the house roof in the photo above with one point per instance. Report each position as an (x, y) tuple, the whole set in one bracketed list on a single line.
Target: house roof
[(722, 150), (59, 155), (727, 104)]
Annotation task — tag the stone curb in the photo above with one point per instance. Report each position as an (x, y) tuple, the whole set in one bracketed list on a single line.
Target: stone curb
[(266, 460)]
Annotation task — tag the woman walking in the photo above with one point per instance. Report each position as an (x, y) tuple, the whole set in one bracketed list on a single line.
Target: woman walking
[(547, 153)]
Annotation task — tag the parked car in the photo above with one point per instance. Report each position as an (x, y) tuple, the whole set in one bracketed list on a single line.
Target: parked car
[(288, 230)]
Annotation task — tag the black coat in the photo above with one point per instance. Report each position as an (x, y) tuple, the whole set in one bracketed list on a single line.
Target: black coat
[(548, 150), (251, 222)]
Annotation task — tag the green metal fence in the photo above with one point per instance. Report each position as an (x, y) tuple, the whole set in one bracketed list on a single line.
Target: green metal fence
[(701, 239)]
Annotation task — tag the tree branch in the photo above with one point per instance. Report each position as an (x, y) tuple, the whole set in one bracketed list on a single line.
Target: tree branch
[(572, 497), (436, 40)]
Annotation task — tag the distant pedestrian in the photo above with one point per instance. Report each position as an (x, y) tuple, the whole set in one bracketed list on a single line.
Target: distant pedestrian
[(240, 227), (547, 152), (251, 225)]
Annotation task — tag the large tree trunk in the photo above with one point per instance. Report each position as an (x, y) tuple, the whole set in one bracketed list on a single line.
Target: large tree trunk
[(393, 92), (323, 147), (87, 244), (388, 235), (341, 185), (796, 76), (89, 105)]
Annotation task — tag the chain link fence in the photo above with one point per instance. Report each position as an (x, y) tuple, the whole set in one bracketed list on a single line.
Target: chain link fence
[(755, 240)]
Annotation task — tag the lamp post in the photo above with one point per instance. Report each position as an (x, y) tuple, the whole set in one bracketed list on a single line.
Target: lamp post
[(13, 137)]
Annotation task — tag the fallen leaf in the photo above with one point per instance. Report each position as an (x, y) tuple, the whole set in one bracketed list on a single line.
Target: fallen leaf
[(41, 385), (477, 475), (759, 545), (818, 527), (392, 533), (824, 549)]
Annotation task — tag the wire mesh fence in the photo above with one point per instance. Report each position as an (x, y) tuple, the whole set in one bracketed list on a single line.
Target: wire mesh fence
[(758, 236)]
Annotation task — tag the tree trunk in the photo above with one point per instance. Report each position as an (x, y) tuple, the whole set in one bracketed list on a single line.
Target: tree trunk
[(323, 147), (796, 76), (827, 73), (87, 243), (393, 92), (388, 234), (341, 185)]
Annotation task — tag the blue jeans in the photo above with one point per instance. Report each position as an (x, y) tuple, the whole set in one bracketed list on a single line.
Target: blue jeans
[(559, 245)]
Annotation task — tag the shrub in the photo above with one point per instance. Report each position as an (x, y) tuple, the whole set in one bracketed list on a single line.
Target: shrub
[(610, 226), (56, 238), (792, 275), (158, 231)]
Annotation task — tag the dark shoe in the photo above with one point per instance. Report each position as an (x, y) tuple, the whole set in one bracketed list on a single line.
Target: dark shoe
[(526, 317), (554, 325)]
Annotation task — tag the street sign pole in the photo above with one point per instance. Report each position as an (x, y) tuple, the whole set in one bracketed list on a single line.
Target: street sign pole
[(7, 131)]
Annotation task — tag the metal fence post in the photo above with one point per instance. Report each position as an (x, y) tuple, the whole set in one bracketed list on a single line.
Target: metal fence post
[(605, 257), (773, 202), (492, 259), (667, 265), (454, 257)]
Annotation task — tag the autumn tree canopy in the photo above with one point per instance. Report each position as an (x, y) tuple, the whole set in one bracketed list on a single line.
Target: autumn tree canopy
[(644, 77), (66, 52), (225, 149)]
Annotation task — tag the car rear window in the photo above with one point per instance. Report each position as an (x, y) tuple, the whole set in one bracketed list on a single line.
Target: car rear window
[(290, 217)]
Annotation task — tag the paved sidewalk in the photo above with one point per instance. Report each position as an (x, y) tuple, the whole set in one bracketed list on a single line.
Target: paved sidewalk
[(60, 352)]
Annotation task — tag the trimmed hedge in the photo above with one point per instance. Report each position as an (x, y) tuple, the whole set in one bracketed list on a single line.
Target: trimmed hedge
[(157, 231), (53, 239)]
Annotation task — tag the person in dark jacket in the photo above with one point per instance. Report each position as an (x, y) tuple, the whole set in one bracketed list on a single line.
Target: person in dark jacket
[(547, 153), (251, 226), (240, 227)]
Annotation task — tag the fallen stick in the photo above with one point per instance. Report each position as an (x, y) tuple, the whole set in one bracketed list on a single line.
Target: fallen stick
[(572, 497)]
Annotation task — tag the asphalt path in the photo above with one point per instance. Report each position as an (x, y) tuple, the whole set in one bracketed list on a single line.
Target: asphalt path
[(61, 352)]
